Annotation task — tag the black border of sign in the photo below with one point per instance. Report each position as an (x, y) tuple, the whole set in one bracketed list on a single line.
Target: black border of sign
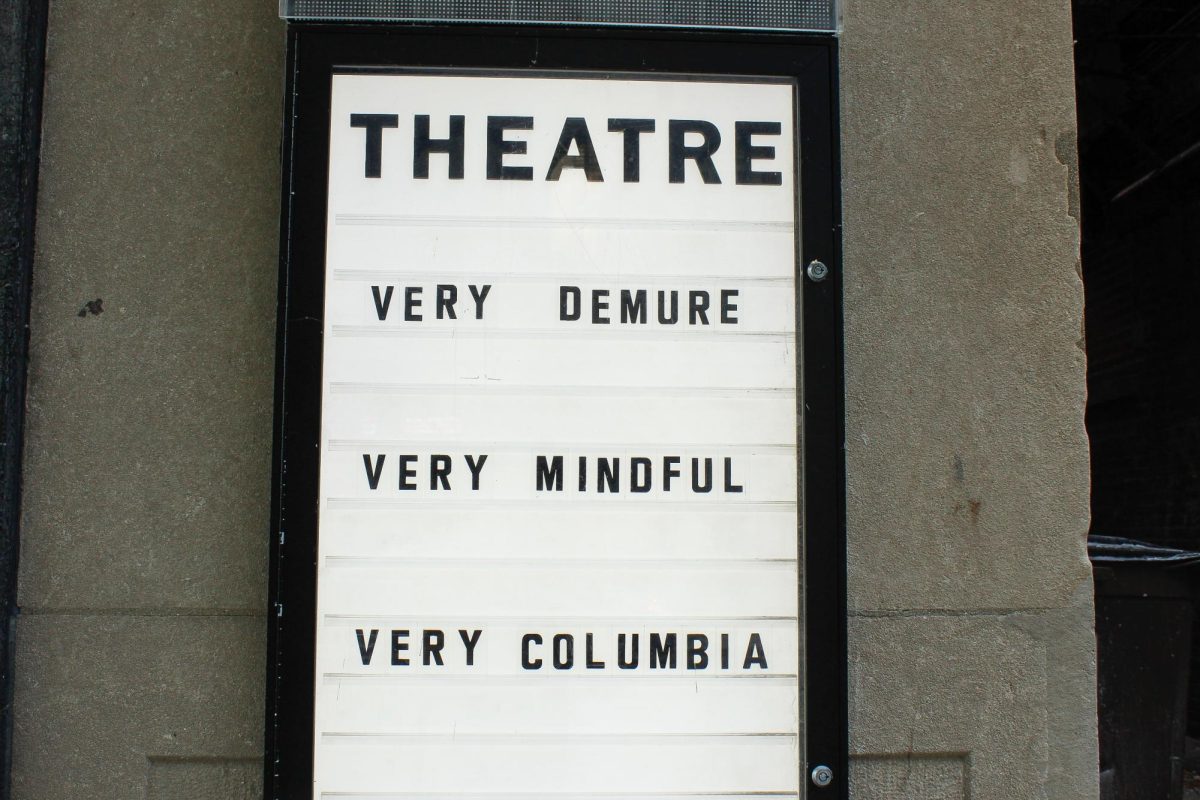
[(22, 77), (313, 52)]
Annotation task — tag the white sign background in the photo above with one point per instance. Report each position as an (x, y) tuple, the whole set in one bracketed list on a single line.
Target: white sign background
[(507, 560)]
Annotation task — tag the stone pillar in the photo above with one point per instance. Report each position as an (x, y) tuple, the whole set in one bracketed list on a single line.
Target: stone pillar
[(971, 645)]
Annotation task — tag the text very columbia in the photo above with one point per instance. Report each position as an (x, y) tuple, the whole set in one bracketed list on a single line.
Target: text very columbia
[(436, 647)]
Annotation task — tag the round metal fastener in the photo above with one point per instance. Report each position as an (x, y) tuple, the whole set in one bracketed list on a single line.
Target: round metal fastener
[(822, 775), (817, 271)]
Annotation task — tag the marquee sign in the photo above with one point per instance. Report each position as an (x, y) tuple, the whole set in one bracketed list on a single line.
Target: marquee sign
[(545, 494)]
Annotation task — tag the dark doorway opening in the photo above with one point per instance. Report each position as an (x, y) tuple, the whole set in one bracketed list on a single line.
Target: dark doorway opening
[(1138, 87)]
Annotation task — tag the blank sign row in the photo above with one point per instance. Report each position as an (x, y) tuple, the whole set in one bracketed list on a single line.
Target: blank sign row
[(496, 412), (564, 362), (739, 590), (639, 532), (669, 765), (534, 710)]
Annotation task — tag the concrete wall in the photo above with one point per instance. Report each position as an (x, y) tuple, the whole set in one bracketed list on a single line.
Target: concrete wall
[(141, 644), (972, 656)]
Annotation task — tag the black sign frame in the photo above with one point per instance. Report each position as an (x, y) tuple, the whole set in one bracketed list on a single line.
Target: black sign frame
[(314, 52)]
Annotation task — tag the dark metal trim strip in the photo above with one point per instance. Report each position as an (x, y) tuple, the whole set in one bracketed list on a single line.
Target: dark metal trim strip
[(792, 16), (22, 69)]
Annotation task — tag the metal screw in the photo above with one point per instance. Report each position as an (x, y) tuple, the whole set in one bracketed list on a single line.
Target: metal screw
[(817, 271), (822, 775)]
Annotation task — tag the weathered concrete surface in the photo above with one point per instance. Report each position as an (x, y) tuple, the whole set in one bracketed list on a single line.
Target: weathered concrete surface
[(1008, 698), (928, 686), (144, 549), (148, 454), (102, 699), (965, 383), (967, 457), (140, 652), (908, 777), (206, 779)]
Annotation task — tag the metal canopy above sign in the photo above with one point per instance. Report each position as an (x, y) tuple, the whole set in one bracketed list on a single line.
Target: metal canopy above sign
[(810, 16)]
